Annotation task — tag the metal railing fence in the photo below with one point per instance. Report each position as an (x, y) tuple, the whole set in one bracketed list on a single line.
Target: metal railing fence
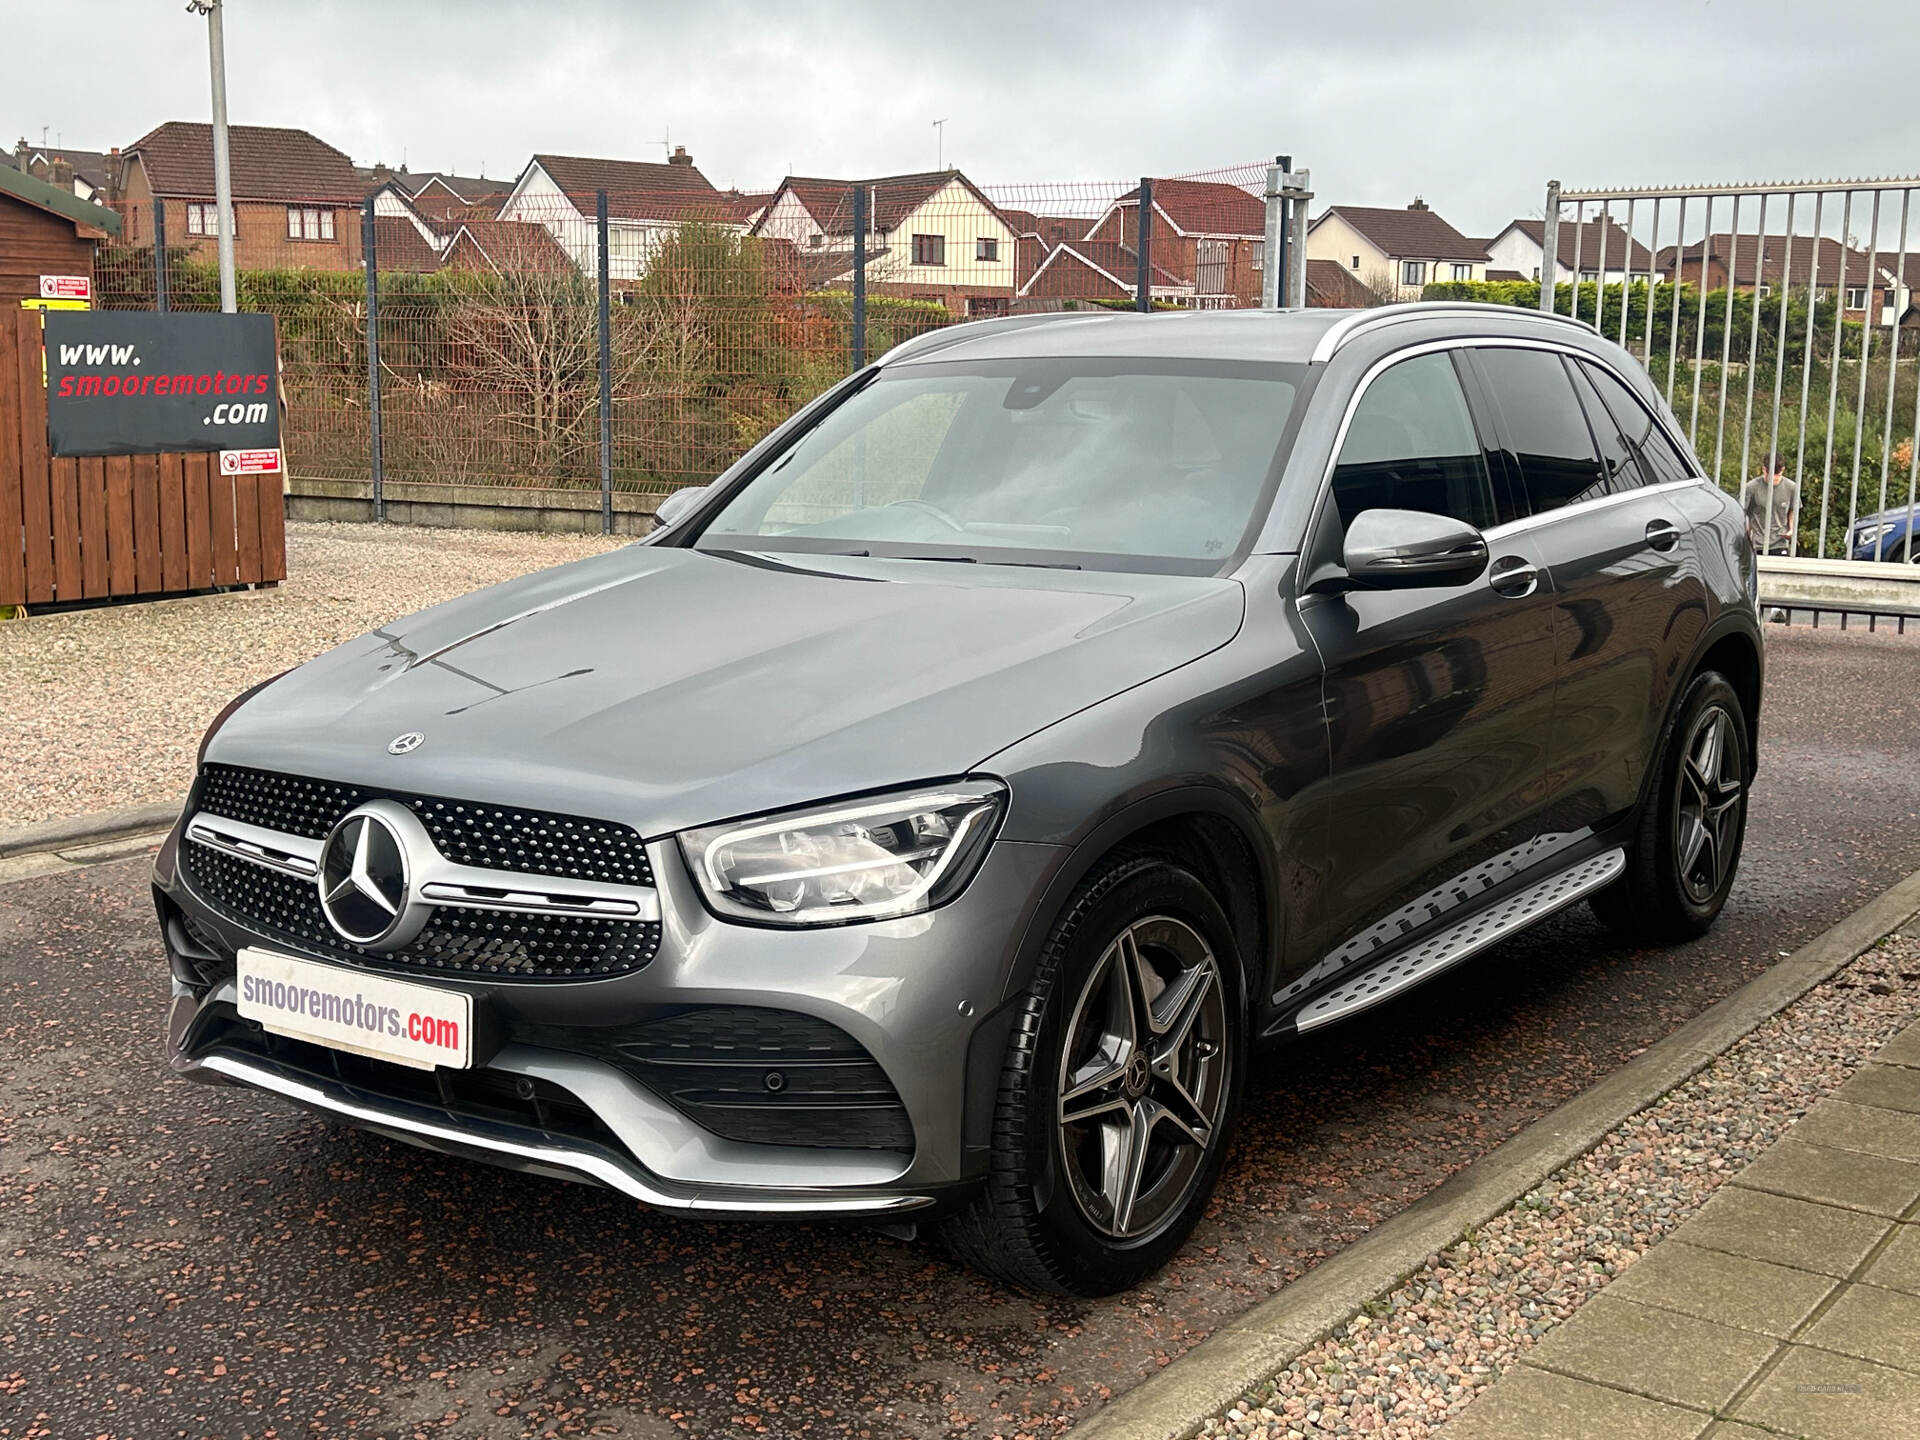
[(1779, 321), (641, 340)]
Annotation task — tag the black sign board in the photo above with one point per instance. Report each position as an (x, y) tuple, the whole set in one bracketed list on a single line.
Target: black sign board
[(130, 382)]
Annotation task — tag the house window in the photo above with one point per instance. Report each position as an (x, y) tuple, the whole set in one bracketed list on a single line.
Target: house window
[(1413, 272), (1210, 268), (929, 249), (1765, 291), (1356, 262), (986, 248), (1463, 272), (1588, 277), (1856, 297), (202, 219), (1256, 255), (985, 306), (816, 240), (308, 222)]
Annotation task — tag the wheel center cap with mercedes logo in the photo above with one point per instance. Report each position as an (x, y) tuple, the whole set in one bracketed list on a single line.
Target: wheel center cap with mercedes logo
[(366, 876)]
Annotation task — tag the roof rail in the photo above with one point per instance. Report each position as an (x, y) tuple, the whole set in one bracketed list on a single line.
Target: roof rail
[(940, 339), (1361, 321)]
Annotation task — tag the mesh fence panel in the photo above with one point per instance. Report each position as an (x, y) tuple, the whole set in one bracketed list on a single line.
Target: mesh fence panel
[(726, 312)]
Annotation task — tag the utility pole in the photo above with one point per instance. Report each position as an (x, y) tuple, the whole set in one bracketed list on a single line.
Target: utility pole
[(222, 169)]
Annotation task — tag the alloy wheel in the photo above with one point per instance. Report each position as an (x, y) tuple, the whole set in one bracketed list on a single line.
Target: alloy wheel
[(1709, 805), (1143, 1077)]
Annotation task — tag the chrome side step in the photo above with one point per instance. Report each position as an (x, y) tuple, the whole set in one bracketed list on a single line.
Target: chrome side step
[(1406, 968)]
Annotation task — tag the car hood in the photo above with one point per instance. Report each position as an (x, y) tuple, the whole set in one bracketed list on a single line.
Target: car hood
[(669, 687)]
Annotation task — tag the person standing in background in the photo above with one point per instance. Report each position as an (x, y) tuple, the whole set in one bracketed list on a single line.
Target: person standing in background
[(1772, 503)]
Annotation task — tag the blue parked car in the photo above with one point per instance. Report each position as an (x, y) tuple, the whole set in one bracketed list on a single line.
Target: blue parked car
[(1884, 536)]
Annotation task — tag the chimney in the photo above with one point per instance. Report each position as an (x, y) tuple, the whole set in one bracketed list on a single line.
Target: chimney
[(61, 172), (680, 156), (1418, 204)]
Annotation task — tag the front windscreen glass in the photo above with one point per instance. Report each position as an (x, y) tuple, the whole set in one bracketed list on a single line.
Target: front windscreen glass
[(1099, 463)]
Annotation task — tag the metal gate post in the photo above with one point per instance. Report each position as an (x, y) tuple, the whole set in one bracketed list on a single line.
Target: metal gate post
[(606, 365), (1549, 250), (1298, 183), (160, 256), (372, 261), (1143, 282), (1274, 260), (859, 277)]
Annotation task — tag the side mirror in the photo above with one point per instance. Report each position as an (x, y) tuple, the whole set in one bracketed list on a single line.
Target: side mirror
[(1403, 549), (677, 506)]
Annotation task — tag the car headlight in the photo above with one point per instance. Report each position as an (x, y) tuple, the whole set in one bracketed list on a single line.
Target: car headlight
[(869, 859), (1874, 534)]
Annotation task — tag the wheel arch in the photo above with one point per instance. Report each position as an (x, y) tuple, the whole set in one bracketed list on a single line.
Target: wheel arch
[(1201, 827), (1735, 652)]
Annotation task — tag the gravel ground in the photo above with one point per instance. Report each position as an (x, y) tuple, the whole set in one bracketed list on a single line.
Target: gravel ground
[(1422, 1352), (104, 707)]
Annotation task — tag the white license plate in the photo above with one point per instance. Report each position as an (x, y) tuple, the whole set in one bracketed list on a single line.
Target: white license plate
[(374, 1015)]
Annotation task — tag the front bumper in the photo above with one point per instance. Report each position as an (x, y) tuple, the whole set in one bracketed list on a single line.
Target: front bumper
[(922, 995)]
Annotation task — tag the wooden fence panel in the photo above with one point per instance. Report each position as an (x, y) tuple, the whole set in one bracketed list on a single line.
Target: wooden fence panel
[(13, 565), (273, 529), (199, 522), (146, 524), (246, 524), (93, 528), (36, 479), (226, 558), (120, 525), (173, 523), (64, 473)]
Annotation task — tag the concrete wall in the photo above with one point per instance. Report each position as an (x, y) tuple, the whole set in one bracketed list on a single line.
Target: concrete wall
[(477, 507)]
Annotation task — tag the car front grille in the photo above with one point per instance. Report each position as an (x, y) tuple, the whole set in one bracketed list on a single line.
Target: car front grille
[(760, 1076), (501, 944), (468, 832)]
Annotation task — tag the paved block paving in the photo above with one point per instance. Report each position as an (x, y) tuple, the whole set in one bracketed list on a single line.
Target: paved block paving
[(1789, 1305)]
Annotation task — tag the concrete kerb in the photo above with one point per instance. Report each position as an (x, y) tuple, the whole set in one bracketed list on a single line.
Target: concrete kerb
[(1173, 1403), (95, 829)]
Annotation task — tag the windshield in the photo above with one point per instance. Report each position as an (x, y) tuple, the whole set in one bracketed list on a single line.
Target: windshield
[(1101, 464)]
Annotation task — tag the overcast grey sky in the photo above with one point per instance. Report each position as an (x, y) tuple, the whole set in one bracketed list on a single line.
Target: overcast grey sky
[(1474, 104)]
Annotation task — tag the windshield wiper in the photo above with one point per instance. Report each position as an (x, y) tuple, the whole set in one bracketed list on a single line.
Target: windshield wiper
[(976, 560)]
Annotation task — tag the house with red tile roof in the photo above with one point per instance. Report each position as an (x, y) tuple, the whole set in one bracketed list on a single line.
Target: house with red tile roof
[(1209, 233), (296, 199), (1395, 252), (1097, 270), (1603, 250), (1332, 286), (933, 235), (647, 202)]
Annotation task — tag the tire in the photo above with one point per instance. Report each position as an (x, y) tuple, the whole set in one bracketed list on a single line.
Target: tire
[(1685, 852), (1140, 934)]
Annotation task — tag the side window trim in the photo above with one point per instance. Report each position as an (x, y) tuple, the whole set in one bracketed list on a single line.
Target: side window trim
[(1655, 426), (1510, 499), (1594, 406), (1510, 451)]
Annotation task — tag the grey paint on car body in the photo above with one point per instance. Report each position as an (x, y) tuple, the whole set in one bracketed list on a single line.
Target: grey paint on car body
[(668, 687)]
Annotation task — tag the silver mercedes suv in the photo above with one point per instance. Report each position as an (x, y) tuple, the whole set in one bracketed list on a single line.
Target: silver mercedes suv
[(934, 820)]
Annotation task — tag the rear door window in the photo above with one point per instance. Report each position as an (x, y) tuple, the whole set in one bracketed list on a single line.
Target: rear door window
[(1544, 426), (1411, 445), (1623, 469), (1659, 456)]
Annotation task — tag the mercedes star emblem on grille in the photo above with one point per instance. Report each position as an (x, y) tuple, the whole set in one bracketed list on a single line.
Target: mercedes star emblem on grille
[(363, 878), (406, 744)]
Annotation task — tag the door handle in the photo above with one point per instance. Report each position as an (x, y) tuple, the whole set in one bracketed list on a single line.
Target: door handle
[(1662, 534), (1513, 576)]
